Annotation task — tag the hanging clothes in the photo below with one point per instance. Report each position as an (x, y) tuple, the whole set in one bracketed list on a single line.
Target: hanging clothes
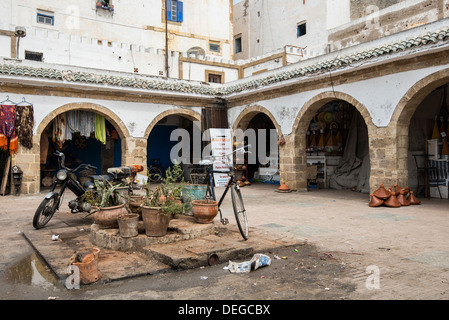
[(59, 125), (87, 123), (100, 128), (72, 124), (7, 128), (24, 124)]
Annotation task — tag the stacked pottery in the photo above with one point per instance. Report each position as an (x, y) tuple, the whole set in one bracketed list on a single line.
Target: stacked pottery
[(393, 199)]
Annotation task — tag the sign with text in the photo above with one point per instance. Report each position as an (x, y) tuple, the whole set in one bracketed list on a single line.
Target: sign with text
[(221, 145)]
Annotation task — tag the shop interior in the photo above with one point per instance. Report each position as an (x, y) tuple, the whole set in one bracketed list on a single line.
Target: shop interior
[(338, 149), (84, 137), (428, 154)]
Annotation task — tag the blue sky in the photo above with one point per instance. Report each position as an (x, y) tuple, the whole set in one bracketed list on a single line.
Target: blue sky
[(237, 1)]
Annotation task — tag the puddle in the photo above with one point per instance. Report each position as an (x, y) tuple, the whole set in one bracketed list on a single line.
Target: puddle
[(32, 270)]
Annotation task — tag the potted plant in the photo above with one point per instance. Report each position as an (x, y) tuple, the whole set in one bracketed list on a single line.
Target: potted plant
[(163, 203), (108, 203), (155, 219), (204, 211)]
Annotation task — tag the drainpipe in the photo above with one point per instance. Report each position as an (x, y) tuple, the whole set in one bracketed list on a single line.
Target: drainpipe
[(166, 39)]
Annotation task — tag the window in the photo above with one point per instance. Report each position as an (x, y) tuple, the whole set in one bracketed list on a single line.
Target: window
[(301, 30), (35, 56), (238, 44), (214, 76), (45, 19), (174, 10), (214, 47)]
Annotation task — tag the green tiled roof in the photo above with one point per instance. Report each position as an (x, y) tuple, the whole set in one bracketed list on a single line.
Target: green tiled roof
[(173, 85)]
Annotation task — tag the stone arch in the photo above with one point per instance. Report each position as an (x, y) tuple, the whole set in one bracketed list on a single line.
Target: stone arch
[(404, 112), (189, 114), (248, 113), (313, 105), (294, 158), (105, 112)]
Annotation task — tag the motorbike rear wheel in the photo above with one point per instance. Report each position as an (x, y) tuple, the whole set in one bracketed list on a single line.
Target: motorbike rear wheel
[(45, 212)]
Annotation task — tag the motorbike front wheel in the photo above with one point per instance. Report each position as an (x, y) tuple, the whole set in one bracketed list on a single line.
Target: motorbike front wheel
[(45, 212)]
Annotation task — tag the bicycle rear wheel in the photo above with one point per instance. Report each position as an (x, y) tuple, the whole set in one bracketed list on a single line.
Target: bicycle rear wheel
[(239, 211), (154, 174)]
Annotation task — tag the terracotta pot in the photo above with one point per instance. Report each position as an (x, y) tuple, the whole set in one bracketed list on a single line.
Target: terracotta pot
[(375, 201), (402, 199), (204, 211), (154, 222), (392, 201), (135, 202), (88, 268), (128, 225), (107, 217), (413, 200), (382, 193)]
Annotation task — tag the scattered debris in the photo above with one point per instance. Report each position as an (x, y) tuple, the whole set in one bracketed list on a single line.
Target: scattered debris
[(55, 237)]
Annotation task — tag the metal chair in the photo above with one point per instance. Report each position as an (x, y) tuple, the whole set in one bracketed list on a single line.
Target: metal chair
[(430, 174)]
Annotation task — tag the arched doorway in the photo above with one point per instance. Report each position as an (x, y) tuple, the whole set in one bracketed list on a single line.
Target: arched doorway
[(421, 117), (427, 145), (261, 130), (85, 133), (334, 135), (162, 139)]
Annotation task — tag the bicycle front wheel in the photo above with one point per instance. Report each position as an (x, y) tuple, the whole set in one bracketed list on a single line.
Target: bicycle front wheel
[(239, 211)]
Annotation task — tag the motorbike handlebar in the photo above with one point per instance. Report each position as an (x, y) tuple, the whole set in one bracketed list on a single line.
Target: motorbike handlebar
[(62, 163)]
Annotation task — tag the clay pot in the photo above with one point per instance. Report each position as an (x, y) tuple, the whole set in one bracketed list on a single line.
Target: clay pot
[(392, 201), (134, 204), (375, 201), (402, 199), (204, 211), (154, 221), (106, 217), (382, 193), (88, 268), (413, 200), (128, 225)]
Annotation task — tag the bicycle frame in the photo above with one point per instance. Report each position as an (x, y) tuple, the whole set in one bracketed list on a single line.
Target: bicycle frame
[(232, 181)]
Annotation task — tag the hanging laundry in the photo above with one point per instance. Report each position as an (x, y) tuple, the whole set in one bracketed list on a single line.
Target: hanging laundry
[(72, 124), (24, 123), (59, 125), (7, 128), (100, 129), (87, 123)]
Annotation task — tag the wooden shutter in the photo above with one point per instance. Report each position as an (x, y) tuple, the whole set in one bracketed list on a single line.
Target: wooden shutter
[(168, 9), (180, 11), (216, 117)]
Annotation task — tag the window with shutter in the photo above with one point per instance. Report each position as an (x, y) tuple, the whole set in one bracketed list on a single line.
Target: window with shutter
[(174, 10)]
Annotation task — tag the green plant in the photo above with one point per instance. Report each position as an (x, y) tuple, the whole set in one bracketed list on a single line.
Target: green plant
[(168, 195), (106, 195)]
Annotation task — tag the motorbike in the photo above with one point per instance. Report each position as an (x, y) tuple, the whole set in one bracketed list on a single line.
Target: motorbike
[(66, 178)]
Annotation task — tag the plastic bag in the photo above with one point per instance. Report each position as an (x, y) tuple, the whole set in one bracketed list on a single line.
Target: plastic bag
[(257, 261)]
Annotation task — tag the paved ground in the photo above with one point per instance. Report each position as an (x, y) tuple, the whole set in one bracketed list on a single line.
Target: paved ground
[(329, 245)]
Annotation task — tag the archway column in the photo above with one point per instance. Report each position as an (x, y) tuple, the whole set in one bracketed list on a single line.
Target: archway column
[(293, 164), (388, 155), (134, 152), (28, 160)]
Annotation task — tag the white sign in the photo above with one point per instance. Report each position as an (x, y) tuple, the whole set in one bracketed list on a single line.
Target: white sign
[(221, 145)]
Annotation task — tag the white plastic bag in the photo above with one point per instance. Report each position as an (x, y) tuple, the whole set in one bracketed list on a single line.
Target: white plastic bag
[(257, 261)]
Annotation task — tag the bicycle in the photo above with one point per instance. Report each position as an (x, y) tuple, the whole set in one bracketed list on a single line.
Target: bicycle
[(236, 195), (155, 170)]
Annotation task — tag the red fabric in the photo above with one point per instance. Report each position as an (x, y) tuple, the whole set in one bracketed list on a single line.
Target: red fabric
[(7, 128)]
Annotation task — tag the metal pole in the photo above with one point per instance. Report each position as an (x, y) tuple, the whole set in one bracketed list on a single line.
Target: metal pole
[(166, 39)]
